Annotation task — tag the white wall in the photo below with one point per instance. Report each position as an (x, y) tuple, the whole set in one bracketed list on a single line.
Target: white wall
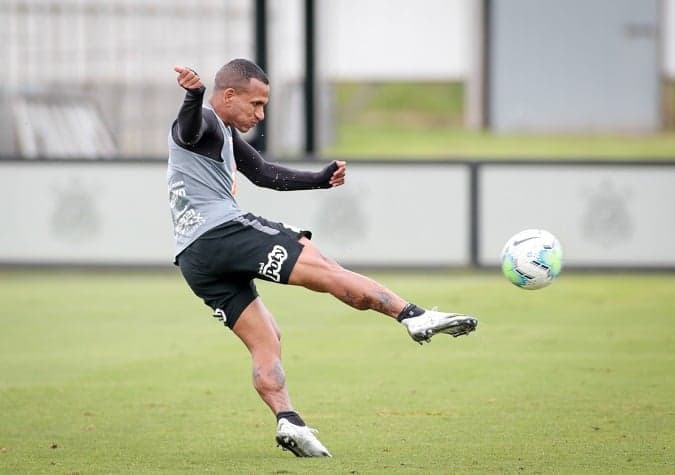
[(82, 213), (395, 214), (117, 213), (385, 39), (604, 215)]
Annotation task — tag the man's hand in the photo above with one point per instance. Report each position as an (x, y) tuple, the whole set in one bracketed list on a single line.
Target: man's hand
[(338, 177), (187, 78)]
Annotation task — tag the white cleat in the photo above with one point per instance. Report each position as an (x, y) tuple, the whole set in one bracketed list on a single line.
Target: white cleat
[(300, 440), (431, 322)]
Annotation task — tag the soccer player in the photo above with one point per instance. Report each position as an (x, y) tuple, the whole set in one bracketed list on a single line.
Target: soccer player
[(221, 248)]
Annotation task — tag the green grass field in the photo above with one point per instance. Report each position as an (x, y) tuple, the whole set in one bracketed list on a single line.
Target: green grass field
[(405, 143), (409, 120), (125, 372)]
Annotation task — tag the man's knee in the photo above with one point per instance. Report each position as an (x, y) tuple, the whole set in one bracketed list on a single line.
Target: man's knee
[(314, 270), (257, 328), (321, 263)]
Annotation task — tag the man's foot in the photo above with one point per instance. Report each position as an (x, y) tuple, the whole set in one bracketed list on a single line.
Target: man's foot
[(423, 327), (300, 440)]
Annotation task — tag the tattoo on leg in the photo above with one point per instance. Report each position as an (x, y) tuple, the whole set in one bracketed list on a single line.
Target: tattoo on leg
[(256, 377), (348, 298), (380, 301), (278, 375), (275, 377), (383, 302)]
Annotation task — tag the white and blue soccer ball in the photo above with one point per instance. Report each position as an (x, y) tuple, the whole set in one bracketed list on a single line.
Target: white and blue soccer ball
[(532, 259)]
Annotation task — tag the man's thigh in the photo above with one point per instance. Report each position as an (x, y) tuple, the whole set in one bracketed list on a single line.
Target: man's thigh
[(257, 328), (313, 269)]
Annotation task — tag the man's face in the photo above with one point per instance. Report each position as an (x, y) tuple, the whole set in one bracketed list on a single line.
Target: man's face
[(245, 107)]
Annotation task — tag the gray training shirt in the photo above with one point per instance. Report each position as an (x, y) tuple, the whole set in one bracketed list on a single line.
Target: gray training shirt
[(201, 190), (204, 157)]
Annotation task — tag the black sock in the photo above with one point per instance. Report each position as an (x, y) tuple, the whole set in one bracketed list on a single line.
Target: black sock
[(292, 417), (410, 310)]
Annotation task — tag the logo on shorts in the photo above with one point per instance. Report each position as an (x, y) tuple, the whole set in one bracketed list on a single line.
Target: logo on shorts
[(219, 313), (275, 260)]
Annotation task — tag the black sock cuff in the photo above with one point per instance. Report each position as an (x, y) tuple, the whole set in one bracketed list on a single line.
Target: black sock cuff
[(410, 310), (292, 417)]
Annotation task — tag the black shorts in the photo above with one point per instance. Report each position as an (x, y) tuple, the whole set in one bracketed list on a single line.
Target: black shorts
[(221, 264)]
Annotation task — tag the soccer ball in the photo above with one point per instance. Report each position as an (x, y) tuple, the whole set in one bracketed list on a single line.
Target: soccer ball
[(532, 259)]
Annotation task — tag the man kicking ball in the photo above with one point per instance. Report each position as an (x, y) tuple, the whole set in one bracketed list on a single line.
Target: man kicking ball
[(221, 248)]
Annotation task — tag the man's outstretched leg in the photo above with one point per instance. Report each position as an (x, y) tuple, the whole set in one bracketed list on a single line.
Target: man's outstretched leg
[(322, 274), (258, 330)]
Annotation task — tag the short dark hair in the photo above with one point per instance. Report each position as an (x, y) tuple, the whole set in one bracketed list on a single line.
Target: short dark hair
[(238, 73)]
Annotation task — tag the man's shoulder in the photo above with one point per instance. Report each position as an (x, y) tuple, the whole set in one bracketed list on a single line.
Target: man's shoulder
[(212, 138)]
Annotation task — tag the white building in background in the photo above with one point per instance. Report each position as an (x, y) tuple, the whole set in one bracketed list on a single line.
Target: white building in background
[(120, 54)]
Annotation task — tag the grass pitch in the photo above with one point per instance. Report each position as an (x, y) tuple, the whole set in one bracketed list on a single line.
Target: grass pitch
[(118, 372), (409, 120)]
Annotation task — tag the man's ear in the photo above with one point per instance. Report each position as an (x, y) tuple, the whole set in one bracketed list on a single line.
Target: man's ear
[(228, 94)]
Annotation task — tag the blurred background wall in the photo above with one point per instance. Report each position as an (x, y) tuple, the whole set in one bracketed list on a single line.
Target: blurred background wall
[(93, 79), (614, 215), (119, 54), (113, 58)]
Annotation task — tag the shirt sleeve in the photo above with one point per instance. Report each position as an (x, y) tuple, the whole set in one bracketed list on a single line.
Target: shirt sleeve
[(190, 125), (274, 176)]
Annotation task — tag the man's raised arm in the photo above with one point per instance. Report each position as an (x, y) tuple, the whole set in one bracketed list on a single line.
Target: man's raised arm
[(190, 125)]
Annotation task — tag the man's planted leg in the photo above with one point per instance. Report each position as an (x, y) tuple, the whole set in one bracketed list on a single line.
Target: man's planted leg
[(257, 329)]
